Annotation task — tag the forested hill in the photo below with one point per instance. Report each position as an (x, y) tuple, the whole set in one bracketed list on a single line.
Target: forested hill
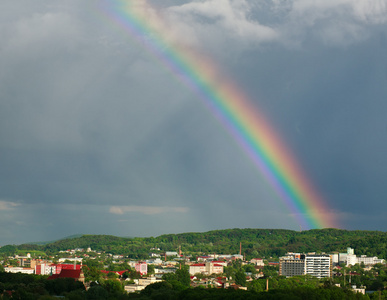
[(255, 243)]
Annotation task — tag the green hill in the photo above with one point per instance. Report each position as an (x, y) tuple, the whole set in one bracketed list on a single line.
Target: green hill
[(255, 242)]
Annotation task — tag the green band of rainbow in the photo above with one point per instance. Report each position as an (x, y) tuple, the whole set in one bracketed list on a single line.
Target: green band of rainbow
[(231, 107)]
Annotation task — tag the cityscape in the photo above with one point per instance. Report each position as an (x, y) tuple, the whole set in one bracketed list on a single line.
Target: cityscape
[(345, 271), (193, 149)]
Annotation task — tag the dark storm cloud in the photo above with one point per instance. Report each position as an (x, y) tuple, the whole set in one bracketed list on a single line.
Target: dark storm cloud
[(97, 136)]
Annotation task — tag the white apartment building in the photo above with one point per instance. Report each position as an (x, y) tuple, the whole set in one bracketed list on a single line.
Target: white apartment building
[(319, 266), (316, 265)]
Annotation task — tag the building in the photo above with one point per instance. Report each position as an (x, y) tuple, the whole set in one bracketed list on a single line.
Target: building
[(72, 259), (257, 262), (206, 268), (350, 258), (141, 267), (50, 269), (197, 268), (140, 284), (295, 264), (45, 269), (291, 266), (319, 266), (19, 270), (369, 261)]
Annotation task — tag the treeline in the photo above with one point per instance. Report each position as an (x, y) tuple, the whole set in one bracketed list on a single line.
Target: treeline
[(31, 287), (255, 243), (25, 286), (302, 293)]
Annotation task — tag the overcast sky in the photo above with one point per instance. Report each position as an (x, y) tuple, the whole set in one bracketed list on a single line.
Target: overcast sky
[(98, 137)]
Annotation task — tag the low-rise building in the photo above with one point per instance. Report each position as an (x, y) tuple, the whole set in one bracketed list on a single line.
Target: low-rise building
[(350, 259), (208, 267), (19, 270), (257, 262), (140, 284)]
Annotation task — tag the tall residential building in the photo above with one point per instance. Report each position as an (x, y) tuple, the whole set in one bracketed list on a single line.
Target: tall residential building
[(319, 266), (295, 264)]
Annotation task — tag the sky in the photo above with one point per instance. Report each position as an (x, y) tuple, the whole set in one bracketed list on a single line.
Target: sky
[(98, 136)]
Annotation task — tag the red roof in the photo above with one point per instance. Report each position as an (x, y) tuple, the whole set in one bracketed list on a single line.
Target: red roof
[(66, 273), (338, 267), (121, 272), (198, 265)]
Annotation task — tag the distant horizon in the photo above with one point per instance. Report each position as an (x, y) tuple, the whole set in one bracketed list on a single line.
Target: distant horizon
[(74, 236)]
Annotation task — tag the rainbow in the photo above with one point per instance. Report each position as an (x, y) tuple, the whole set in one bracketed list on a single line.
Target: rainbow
[(229, 105)]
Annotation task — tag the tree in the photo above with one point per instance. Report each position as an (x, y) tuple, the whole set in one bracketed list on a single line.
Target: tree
[(151, 269), (229, 272), (258, 285), (240, 278), (97, 293), (158, 286), (180, 280), (113, 286), (249, 268), (92, 273), (183, 276), (112, 275)]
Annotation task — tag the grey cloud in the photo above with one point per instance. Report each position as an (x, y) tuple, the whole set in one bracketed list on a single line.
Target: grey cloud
[(89, 120)]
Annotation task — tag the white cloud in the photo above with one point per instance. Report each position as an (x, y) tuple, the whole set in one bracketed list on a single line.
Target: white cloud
[(332, 22), (243, 23), (371, 12), (7, 205), (219, 21), (147, 210)]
